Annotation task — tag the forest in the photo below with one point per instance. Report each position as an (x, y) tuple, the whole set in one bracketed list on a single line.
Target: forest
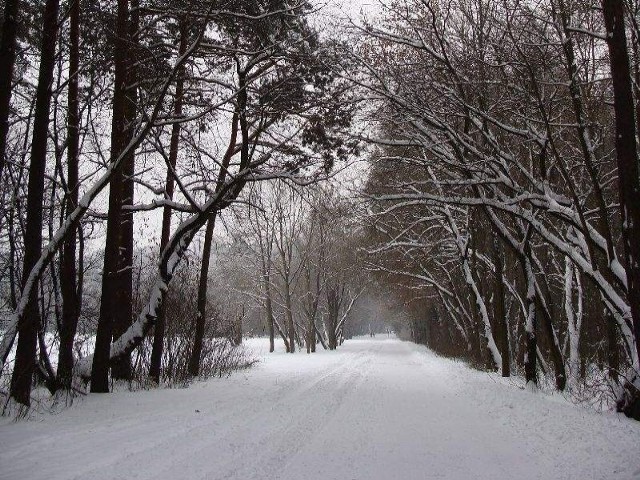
[(177, 176)]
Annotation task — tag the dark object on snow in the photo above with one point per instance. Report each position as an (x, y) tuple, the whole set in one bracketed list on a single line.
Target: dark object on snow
[(629, 400)]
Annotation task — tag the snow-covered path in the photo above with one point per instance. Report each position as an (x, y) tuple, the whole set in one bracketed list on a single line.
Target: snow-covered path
[(375, 409)]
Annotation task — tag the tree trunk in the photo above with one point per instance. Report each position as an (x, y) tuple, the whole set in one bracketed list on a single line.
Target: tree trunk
[(119, 122), (499, 312), (313, 337), (291, 332), (554, 346), (573, 323), (531, 345), (158, 331), (626, 154), (29, 322), (194, 361), (121, 368), (268, 305), (334, 300), (321, 338), (332, 341), (311, 334), (7, 60), (613, 357), (495, 358), (68, 271)]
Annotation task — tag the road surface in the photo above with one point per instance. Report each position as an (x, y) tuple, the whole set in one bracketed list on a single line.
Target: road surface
[(374, 409)]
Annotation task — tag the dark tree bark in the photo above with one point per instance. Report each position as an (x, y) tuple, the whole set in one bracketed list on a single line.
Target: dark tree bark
[(291, 331), (613, 356), (321, 338), (531, 342), (158, 331), (626, 153), (29, 322), (311, 336), (194, 361), (312, 311), (534, 304), (7, 60), (123, 315), (266, 279), (335, 295), (546, 318), (119, 122), (499, 311), (68, 271)]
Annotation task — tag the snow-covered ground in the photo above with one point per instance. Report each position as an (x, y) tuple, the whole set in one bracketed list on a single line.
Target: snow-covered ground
[(375, 409)]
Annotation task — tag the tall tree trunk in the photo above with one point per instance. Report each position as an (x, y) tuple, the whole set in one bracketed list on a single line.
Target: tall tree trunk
[(495, 358), (311, 334), (119, 122), (531, 344), (499, 312), (68, 271), (573, 324), (29, 322), (546, 323), (626, 154), (158, 331), (291, 331), (313, 339), (194, 361), (268, 303), (613, 357), (123, 316), (7, 60), (334, 301)]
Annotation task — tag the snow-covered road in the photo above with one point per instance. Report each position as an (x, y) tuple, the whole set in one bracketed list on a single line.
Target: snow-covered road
[(375, 409)]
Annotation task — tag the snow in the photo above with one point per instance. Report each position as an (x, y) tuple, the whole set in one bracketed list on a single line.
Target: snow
[(375, 409)]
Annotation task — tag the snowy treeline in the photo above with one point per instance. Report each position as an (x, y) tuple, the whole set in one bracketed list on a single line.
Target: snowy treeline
[(505, 183), (176, 107)]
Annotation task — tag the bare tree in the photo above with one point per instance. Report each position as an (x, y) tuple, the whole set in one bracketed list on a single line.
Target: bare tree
[(68, 277), (30, 320), (158, 331)]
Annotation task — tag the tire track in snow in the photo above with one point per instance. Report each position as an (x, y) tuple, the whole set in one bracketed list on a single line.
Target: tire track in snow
[(191, 448)]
